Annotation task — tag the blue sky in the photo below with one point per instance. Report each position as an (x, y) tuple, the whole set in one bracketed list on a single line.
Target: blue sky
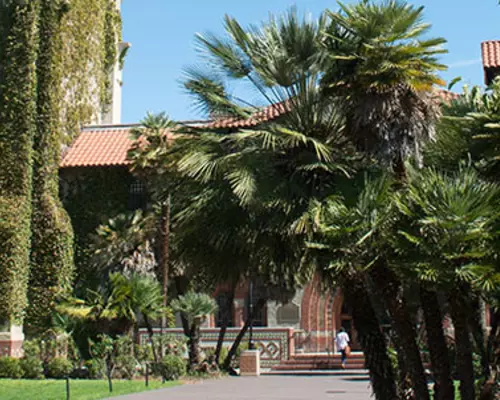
[(162, 36)]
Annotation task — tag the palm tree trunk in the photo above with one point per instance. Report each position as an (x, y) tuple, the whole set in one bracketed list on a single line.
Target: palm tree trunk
[(164, 261), (477, 325), (463, 343), (225, 323), (149, 327), (390, 290), (440, 360), (181, 285), (371, 338), (194, 346), (232, 352)]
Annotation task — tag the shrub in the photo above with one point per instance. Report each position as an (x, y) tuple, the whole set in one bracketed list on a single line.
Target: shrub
[(173, 367), (210, 354), (31, 349), (125, 366), (59, 368), (96, 368), (32, 367), (10, 368)]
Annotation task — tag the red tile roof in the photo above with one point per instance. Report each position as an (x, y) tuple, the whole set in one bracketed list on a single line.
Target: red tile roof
[(491, 54), (268, 114), (107, 146), (99, 147)]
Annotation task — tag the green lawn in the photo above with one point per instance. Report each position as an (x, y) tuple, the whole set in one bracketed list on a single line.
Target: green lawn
[(80, 390)]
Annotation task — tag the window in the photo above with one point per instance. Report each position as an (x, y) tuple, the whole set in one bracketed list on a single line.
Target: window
[(288, 314), (260, 318), (4, 325), (223, 308), (137, 195)]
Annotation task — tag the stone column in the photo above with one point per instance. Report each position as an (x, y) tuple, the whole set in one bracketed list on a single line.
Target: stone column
[(11, 342), (250, 363)]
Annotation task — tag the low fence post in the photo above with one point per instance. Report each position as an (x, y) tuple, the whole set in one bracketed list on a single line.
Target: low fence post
[(67, 389)]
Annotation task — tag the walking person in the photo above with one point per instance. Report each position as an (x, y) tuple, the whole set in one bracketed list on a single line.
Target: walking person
[(342, 340)]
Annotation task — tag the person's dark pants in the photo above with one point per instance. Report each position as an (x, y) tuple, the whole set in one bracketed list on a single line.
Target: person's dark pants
[(344, 356)]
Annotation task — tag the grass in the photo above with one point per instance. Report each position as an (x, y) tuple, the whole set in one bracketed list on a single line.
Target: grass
[(79, 389)]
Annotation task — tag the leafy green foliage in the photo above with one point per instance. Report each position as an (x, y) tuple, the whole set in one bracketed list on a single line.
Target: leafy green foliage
[(451, 227), (10, 368), (96, 368), (173, 367), (195, 306), (17, 118), (59, 368), (383, 65), (123, 245), (54, 86), (32, 367)]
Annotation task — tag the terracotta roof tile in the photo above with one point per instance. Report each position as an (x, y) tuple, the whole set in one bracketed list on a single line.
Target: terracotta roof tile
[(268, 114), (99, 147), (491, 53)]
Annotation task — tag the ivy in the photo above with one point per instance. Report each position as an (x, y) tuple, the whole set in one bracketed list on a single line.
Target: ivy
[(52, 236), (92, 31), (93, 197), (55, 64), (18, 51)]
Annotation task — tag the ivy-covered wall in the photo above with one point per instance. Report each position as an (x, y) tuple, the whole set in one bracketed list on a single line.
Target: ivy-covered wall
[(56, 59), (92, 196), (18, 50)]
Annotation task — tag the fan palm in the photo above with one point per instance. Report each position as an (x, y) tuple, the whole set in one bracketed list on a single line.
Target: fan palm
[(123, 244), (195, 307), (452, 233), (351, 237), (124, 301), (384, 71)]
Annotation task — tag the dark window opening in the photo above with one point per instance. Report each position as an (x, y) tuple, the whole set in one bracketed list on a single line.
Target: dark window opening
[(223, 310), (137, 198), (260, 319)]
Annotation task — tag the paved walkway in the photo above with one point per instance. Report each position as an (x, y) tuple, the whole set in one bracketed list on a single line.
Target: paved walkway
[(341, 386)]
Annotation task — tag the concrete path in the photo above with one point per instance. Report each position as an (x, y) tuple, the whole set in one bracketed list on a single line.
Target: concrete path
[(341, 386)]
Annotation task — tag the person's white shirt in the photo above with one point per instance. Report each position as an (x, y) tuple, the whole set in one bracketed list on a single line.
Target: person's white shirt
[(342, 340)]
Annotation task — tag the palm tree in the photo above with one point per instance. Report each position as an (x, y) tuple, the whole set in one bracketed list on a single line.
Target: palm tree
[(124, 301), (452, 232), (123, 244), (195, 307), (349, 235), (385, 72)]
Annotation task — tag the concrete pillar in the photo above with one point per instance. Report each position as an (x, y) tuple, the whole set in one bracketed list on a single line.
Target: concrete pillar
[(11, 341), (250, 363)]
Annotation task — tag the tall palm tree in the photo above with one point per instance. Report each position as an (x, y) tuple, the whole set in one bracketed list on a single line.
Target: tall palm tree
[(384, 70), (385, 75), (348, 235), (452, 232)]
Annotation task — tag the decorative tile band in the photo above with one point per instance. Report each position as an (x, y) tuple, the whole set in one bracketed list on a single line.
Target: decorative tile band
[(275, 344)]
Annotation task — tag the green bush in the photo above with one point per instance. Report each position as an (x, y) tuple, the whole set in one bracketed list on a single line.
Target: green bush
[(210, 354), (59, 368), (96, 368), (31, 349), (125, 366), (173, 367), (32, 367), (10, 368)]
